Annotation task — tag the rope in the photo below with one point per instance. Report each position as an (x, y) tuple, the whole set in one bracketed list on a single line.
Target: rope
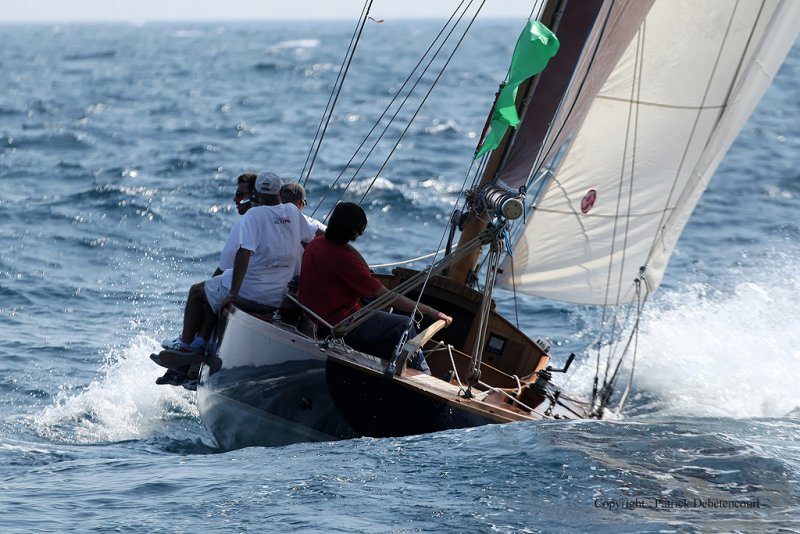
[(424, 99), (608, 383), (491, 388), (702, 106), (353, 320), (361, 315), (633, 361), (483, 318), (514, 293), (309, 311), (630, 130), (334, 97), (386, 110), (404, 262), (516, 401), (455, 371)]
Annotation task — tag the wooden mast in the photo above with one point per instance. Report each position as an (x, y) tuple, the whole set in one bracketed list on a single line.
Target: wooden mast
[(463, 272)]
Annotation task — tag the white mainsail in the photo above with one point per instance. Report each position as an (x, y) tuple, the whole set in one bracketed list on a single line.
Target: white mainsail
[(653, 136)]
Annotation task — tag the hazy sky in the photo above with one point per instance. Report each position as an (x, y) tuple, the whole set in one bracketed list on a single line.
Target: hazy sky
[(144, 10)]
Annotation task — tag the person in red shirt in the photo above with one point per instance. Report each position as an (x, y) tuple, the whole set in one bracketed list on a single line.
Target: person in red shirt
[(334, 278)]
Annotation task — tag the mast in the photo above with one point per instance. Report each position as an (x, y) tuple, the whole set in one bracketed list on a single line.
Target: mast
[(578, 19)]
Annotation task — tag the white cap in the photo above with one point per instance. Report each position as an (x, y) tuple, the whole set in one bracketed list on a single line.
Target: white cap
[(268, 183)]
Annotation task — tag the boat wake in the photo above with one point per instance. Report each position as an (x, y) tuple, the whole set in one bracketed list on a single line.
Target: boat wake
[(122, 404), (731, 351)]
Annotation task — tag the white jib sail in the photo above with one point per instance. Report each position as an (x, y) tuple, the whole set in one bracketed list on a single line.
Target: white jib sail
[(652, 139)]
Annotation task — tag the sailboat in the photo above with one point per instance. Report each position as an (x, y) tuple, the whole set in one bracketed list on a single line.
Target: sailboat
[(585, 176)]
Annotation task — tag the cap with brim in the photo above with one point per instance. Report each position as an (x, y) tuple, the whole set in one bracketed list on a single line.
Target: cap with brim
[(268, 183)]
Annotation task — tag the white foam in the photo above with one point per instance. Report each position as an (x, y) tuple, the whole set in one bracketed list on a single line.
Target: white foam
[(295, 44), (123, 403), (730, 351)]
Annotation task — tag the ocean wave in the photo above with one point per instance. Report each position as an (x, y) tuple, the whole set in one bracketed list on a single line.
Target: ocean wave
[(30, 455), (50, 141), (266, 66), (71, 165), (9, 112), (109, 195), (123, 403), (178, 164), (294, 44), (438, 127), (724, 350), (316, 70), (102, 54)]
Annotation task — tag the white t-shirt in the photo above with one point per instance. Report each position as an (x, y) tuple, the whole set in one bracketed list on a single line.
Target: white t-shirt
[(228, 253), (315, 224), (273, 234)]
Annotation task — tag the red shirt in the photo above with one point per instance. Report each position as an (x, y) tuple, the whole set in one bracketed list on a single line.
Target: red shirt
[(334, 279)]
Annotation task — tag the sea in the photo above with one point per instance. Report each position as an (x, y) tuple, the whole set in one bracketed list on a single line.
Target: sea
[(119, 149)]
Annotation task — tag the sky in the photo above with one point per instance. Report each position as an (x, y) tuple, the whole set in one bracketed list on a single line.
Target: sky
[(159, 10)]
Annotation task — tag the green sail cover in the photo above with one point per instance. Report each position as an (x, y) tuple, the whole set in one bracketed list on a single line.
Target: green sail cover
[(534, 48)]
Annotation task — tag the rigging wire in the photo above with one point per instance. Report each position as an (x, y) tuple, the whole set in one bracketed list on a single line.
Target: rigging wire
[(474, 374), (514, 292), (424, 99), (627, 390), (404, 262), (388, 107), (327, 115), (553, 149), (429, 272), (632, 340), (631, 131), (618, 327), (674, 187), (637, 86), (405, 130), (421, 278), (548, 154)]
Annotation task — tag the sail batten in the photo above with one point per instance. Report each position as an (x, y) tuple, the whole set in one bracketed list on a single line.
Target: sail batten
[(649, 141)]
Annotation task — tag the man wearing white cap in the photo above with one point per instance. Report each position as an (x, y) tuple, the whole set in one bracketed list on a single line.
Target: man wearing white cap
[(265, 261), (268, 247)]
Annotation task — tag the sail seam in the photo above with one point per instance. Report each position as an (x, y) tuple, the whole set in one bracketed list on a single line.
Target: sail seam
[(601, 216), (660, 105)]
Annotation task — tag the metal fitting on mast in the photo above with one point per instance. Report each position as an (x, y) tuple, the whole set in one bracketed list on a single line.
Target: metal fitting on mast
[(507, 204)]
